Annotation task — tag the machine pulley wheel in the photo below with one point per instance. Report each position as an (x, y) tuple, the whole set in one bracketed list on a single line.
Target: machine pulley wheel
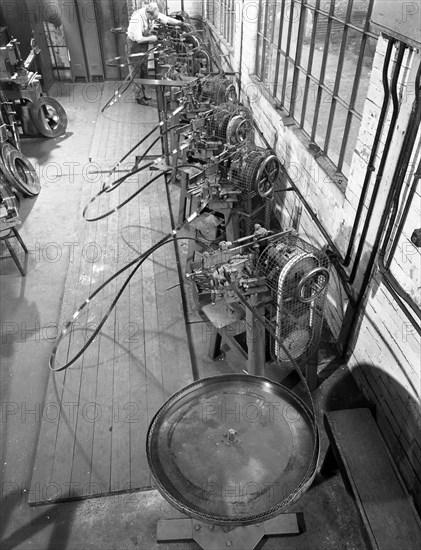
[(49, 117), (313, 284), (238, 130), (19, 172), (267, 175)]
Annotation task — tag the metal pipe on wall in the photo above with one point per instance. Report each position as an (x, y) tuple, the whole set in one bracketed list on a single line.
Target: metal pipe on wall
[(335, 253), (392, 250), (385, 154), (408, 143), (370, 165)]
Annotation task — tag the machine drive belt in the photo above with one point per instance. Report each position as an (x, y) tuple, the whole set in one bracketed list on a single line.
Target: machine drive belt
[(312, 469)]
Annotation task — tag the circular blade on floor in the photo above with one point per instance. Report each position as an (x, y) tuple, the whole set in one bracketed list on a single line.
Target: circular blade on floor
[(232, 449)]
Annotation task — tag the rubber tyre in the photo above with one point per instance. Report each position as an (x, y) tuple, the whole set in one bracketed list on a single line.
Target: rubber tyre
[(48, 124)]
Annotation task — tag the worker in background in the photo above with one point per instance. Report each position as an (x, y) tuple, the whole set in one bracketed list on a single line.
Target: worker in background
[(139, 36)]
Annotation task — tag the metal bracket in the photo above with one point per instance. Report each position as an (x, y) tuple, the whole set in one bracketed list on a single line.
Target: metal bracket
[(215, 537)]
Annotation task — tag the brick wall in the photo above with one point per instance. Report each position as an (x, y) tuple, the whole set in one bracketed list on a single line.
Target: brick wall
[(385, 351)]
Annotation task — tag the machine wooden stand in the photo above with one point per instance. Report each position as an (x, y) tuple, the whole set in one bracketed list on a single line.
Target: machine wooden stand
[(227, 326)]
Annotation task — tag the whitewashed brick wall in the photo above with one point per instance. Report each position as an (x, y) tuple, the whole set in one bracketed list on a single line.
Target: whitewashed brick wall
[(385, 356)]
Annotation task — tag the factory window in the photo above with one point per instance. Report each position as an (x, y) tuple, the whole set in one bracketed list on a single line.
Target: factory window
[(314, 57), (221, 13)]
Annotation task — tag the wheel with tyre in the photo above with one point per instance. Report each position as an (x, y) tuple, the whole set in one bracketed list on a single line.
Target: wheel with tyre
[(18, 171), (49, 117)]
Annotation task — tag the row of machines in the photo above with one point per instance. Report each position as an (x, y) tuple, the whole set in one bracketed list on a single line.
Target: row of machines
[(232, 475), (264, 292), (279, 276)]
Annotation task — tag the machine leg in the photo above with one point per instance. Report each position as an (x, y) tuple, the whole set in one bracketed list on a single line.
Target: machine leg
[(329, 465), (184, 197), (215, 345), (256, 342)]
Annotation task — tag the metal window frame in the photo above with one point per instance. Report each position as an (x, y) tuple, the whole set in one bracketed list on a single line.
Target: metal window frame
[(222, 16), (285, 27)]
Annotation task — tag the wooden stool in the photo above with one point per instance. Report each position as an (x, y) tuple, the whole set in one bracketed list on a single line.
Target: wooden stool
[(13, 233)]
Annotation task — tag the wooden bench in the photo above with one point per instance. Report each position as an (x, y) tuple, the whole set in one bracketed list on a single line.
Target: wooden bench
[(389, 517)]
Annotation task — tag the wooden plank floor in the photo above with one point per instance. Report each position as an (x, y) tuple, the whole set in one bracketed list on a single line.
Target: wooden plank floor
[(93, 432), (121, 126)]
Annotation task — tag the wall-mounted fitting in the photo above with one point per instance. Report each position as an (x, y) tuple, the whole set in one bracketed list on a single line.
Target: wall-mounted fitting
[(416, 238)]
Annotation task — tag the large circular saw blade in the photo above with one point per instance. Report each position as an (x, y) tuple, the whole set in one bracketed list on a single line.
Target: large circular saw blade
[(232, 449)]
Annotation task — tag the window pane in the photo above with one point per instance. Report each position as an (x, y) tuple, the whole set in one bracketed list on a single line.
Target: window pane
[(296, 13), (269, 65), (288, 87), (314, 89), (280, 77), (324, 111), (210, 10), (299, 96), (353, 45), (333, 56), (310, 107), (288, 16), (277, 17), (360, 12), (262, 15), (337, 133), (259, 57), (319, 45), (370, 48), (350, 146), (306, 45), (270, 25), (341, 7)]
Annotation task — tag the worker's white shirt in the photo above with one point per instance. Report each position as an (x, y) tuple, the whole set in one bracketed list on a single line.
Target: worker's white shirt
[(139, 23)]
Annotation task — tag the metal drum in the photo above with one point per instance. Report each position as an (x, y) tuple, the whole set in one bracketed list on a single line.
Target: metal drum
[(233, 449)]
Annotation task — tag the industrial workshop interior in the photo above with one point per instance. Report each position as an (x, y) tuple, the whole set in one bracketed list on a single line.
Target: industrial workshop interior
[(210, 226)]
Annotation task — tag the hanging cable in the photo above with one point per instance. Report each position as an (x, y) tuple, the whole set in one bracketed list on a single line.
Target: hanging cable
[(130, 77), (139, 143), (131, 197), (137, 262), (135, 170), (225, 154)]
